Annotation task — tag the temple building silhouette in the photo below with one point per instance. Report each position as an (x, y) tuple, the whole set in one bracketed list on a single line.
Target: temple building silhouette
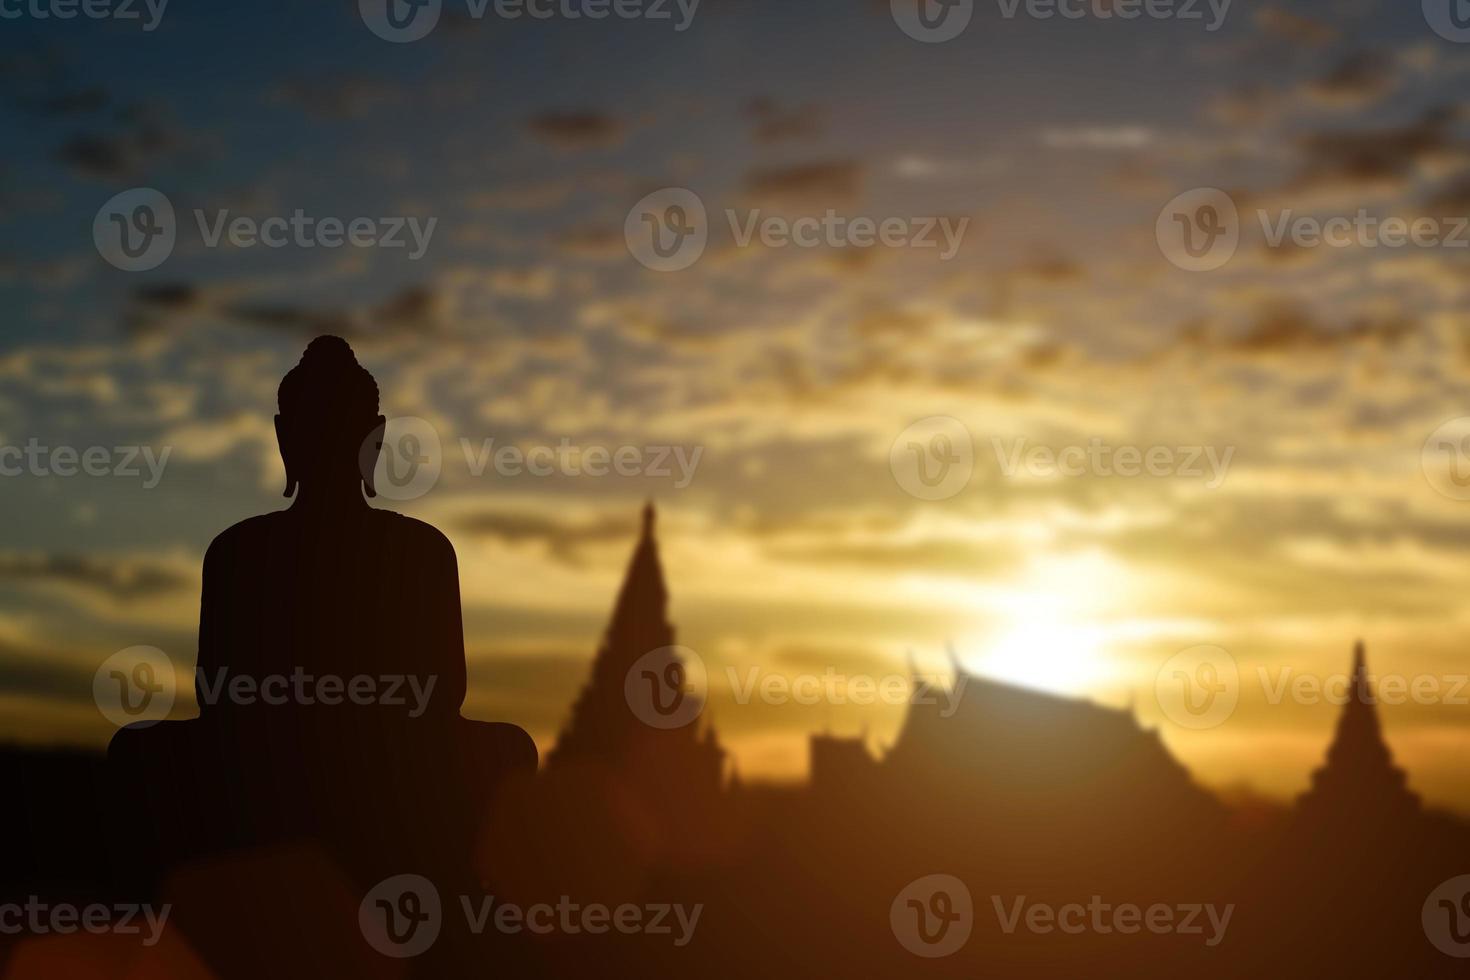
[(1359, 780), (1033, 762), (604, 732)]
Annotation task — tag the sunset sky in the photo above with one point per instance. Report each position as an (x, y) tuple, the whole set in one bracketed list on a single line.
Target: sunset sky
[(1316, 375)]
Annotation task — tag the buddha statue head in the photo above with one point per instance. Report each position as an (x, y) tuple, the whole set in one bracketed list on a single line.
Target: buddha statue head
[(328, 427)]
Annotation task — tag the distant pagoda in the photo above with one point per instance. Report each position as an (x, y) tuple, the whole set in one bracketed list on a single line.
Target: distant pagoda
[(1359, 778), (603, 731)]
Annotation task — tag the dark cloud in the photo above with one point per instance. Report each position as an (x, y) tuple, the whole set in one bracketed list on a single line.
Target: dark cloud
[(141, 140), (74, 102), (1371, 158), (1452, 199), (412, 309), (28, 670), (1288, 26), (169, 296), (343, 98), (592, 242), (118, 578), (576, 129), (806, 185), (1360, 80), (293, 319), (1285, 327), (564, 540), (775, 123)]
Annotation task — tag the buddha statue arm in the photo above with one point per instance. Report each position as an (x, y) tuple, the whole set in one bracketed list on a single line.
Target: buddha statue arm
[(211, 654), (447, 634)]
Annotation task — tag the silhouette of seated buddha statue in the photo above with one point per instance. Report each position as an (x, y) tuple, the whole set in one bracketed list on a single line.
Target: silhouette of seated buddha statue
[(331, 664)]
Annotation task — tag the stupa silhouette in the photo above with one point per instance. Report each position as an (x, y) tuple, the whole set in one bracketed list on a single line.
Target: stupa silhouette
[(1359, 779), (606, 729)]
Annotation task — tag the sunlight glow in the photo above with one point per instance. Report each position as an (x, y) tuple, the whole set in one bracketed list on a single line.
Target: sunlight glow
[(1054, 624)]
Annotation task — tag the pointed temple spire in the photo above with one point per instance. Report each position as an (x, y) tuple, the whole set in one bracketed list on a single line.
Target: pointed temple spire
[(639, 615), (1359, 776), (603, 729)]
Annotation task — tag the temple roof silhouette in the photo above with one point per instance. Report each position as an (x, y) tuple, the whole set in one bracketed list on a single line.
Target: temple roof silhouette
[(603, 728), (1359, 774), (1010, 745)]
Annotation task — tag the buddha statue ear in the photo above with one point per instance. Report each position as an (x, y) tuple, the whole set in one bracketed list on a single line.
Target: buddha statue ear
[(372, 447), (281, 443)]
